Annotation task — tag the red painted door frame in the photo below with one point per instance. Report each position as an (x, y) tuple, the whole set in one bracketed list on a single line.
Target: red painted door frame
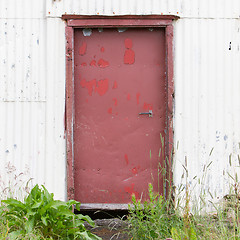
[(75, 21)]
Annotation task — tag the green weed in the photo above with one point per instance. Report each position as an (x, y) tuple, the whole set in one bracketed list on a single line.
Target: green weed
[(154, 219), (177, 218), (39, 216), (159, 219)]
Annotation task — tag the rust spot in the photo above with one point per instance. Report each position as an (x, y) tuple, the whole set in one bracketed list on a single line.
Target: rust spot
[(128, 97), (102, 49), (110, 110), (115, 85), (103, 63), (71, 190), (83, 48), (126, 159), (138, 96), (115, 101)]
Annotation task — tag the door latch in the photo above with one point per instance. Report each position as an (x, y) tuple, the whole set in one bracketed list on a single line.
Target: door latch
[(149, 113)]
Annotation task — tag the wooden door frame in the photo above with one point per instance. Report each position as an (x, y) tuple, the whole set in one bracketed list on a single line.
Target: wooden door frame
[(79, 21)]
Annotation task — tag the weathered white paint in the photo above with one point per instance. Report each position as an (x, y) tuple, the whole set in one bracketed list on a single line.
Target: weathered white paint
[(206, 76), (32, 94), (207, 101)]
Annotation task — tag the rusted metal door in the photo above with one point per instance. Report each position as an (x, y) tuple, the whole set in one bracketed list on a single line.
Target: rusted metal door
[(120, 99)]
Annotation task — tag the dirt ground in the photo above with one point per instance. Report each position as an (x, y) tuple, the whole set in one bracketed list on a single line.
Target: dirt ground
[(110, 229)]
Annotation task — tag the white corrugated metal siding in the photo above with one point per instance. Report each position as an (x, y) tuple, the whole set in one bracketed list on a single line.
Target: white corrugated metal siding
[(207, 101), (206, 77), (32, 91)]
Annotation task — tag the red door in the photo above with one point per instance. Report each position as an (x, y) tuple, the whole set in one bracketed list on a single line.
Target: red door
[(120, 111)]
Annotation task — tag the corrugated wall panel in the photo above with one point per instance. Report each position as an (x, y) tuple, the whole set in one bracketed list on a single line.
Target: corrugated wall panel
[(206, 100), (32, 95), (183, 8), (22, 9), (55, 142), (22, 139), (21, 53)]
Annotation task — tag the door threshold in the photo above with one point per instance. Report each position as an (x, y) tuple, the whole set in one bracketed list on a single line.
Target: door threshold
[(104, 206)]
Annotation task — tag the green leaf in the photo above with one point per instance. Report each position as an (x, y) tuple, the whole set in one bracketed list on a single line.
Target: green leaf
[(14, 219), (44, 220), (88, 236), (29, 225), (93, 236), (37, 204), (48, 196), (73, 202), (14, 234), (55, 204), (33, 196), (65, 212), (13, 203), (86, 218)]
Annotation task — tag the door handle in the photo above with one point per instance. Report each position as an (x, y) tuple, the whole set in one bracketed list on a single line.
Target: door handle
[(149, 113)]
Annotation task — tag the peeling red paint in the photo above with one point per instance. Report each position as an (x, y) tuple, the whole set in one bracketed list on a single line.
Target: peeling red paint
[(102, 49), (129, 56), (83, 48), (115, 85), (102, 87), (128, 97), (110, 110), (89, 85), (115, 101), (93, 63), (138, 96), (126, 158), (103, 63), (147, 106), (128, 43), (83, 82), (131, 191), (83, 64)]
